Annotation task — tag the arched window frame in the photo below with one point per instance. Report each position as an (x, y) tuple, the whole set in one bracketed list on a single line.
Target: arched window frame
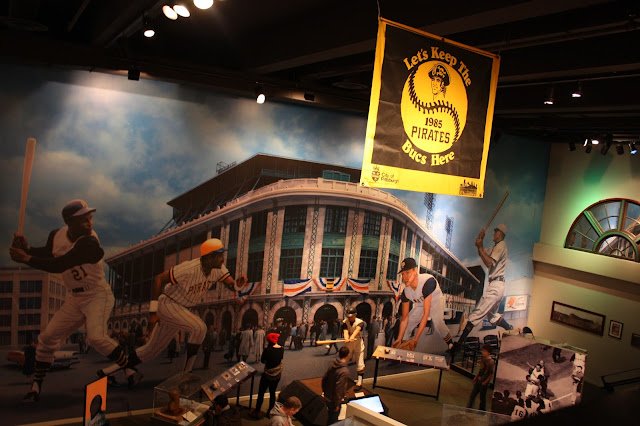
[(596, 236)]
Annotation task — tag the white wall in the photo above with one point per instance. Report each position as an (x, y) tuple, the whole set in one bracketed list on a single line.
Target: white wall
[(600, 284)]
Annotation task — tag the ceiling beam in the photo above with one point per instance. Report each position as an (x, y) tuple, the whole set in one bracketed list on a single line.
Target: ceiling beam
[(520, 11)]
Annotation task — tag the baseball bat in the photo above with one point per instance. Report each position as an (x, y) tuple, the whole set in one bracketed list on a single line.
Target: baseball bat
[(26, 178), (328, 342), (506, 194)]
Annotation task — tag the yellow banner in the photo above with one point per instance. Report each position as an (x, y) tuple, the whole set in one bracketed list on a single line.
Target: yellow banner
[(430, 113)]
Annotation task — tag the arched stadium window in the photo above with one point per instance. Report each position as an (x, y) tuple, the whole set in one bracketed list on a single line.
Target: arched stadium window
[(608, 227)]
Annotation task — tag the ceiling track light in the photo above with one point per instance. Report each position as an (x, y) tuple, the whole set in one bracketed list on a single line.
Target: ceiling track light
[(588, 145), (605, 148), (619, 149), (169, 12), (578, 92), (203, 4), (147, 29), (632, 148), (549, 100), (260, 96), (572, 146), (181, 10)]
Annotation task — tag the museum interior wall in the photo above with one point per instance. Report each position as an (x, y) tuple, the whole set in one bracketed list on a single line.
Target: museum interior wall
[(601, 284)]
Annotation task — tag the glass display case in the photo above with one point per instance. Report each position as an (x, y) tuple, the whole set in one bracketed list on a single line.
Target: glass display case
[(178, 400), (184, 398)]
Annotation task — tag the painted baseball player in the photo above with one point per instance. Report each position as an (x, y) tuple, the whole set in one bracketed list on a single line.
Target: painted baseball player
[(352, 332), (73, 251), (495, 259), (184, 286), (424, 292), (439, 81)]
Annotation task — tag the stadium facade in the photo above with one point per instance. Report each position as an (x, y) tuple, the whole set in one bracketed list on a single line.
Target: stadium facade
[(310, 239)]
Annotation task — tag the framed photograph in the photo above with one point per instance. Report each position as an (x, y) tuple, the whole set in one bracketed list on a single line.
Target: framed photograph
[(615, 329), (581, 319)]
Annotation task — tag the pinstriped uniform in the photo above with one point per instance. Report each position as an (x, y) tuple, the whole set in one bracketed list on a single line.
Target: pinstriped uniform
[(91, 307), (187, 288)]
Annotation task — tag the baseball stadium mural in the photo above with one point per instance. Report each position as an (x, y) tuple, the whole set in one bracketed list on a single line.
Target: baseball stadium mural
[(163, 168)]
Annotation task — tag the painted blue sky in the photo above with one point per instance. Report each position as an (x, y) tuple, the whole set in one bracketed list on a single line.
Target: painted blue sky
[(128, 147)]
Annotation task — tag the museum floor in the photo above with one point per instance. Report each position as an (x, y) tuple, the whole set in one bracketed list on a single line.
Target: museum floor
[(409, 408)]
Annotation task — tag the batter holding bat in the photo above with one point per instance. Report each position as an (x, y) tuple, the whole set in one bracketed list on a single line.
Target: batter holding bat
[(352, 331), (73, 251), (184, 286), (424, 292), (495, 259)]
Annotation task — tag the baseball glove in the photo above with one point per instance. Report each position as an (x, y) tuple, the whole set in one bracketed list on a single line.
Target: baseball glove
[(408, 345)]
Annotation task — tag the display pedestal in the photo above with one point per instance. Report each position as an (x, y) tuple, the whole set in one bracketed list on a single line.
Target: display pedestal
[(410, 357)]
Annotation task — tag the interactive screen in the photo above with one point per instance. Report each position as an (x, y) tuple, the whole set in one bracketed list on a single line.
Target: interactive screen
[(372, 403)]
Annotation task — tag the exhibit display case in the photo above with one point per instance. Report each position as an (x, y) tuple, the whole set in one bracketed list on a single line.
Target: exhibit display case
[(178, 400)]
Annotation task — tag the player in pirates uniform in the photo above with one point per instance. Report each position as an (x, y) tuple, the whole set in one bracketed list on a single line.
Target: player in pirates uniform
[(519, 412), (352, 330), (73, 251), (495, 259), (424, 292), (531, 391), (184, 286)]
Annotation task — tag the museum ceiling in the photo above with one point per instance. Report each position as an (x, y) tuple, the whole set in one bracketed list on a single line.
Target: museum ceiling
[(321, 52)]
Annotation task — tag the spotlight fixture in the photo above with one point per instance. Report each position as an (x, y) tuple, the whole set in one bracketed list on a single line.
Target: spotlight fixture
[(181, 10), (595, 141), (169, 12), (632, 148), (309, 97), (572, 146), (203, 4), (578, 92), (588, 145), (260, 97), (619, 149), (605, 148), (148, 30), (549, 100)]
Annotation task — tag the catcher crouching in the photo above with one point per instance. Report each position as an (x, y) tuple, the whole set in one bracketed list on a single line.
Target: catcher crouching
[(424, 292)]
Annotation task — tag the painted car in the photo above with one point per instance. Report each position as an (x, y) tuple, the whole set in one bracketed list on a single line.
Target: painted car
[(61, 359)]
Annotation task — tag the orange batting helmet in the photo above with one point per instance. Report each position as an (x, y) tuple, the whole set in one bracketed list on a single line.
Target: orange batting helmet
[(212, 245)]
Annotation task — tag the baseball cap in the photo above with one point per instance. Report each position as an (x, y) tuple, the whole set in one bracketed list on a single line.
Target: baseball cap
[(502, 228), (351, 312), (75, 208), (408, 263), (212, 245)]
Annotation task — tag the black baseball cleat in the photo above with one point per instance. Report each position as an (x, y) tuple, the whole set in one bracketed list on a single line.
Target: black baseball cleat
[(134, 379), (34, 393)]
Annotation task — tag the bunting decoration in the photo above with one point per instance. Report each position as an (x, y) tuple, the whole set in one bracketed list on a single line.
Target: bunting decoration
[(430, 113), (361, 286), (395, 287), (330, 284), (296, 287), (245, 291)]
